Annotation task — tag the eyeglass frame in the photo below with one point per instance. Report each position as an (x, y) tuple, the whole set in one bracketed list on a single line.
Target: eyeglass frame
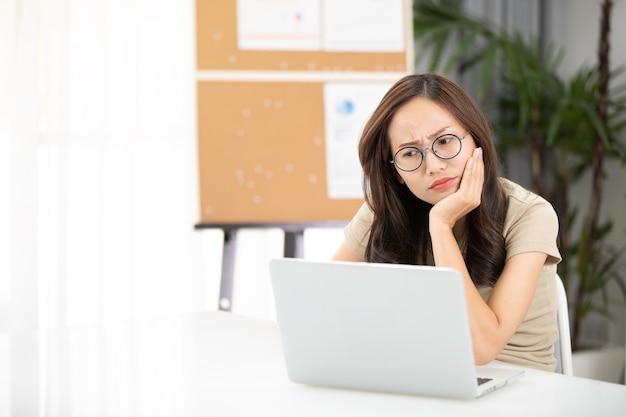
[(423, 151)]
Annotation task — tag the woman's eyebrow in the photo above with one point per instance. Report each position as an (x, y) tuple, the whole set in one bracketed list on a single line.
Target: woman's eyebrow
[(438, 133), (430, 137)]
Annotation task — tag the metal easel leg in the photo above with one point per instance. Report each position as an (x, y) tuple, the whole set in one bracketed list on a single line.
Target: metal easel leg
[(228, 270)]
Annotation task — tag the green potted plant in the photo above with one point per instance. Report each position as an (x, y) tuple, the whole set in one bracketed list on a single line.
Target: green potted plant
[(567, 127)]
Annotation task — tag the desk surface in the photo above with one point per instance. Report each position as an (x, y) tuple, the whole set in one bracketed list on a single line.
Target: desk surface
[(218, 364)]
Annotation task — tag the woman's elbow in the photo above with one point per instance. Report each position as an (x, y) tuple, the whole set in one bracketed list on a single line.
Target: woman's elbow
[(486, 353)]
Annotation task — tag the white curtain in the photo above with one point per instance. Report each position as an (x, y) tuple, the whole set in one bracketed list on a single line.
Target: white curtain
[(98, 173)]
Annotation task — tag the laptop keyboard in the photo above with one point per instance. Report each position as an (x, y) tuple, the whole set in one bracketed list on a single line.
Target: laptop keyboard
[(482, 380)]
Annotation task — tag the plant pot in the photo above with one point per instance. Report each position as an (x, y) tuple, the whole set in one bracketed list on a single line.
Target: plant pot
[(604, 363)]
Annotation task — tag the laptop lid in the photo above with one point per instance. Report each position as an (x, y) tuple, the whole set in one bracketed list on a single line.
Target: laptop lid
[(380, 327)]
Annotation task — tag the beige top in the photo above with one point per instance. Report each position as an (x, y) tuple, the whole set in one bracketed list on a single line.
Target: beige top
[(531, 225)]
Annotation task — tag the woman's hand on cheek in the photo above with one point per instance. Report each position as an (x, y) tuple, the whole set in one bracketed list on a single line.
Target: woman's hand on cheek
[(449, 210)]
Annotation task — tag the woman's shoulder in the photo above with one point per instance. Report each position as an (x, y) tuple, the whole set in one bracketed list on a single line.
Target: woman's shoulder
[(523, 203), (358, 230), (364, 214), (520, 196)]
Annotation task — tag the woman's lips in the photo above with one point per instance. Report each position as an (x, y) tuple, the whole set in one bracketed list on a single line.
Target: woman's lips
[(441, 183)]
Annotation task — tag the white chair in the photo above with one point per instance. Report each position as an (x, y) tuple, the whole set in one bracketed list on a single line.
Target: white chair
[(563, 347)]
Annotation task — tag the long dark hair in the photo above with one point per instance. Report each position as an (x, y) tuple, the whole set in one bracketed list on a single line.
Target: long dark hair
[(399, 233)]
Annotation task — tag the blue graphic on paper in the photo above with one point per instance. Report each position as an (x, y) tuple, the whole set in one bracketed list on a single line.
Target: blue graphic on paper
[(345, 107)]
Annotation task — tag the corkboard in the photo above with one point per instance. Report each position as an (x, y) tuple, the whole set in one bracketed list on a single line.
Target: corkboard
[(261, 129), (262, 154)]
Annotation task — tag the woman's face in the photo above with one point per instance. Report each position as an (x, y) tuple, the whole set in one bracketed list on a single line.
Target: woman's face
[(418, 123)]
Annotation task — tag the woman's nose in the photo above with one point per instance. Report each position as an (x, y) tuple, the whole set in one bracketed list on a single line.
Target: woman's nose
[(432, 162)]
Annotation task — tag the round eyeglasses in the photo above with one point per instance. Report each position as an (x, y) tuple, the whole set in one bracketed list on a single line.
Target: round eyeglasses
[(445, 146)]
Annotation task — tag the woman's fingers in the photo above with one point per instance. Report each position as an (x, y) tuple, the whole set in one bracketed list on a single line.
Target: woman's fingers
[(478, 174), (473, 177)]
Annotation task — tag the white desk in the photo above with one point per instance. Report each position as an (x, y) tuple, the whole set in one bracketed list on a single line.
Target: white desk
[(217, 364)]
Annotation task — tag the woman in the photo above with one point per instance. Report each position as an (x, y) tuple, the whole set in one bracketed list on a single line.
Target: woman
[(434, 196)]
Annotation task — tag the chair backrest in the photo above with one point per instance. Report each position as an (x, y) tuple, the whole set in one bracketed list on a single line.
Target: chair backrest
[(563, 349)]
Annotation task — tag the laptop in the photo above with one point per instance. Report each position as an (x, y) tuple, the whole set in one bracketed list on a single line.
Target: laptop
[(379, 327)]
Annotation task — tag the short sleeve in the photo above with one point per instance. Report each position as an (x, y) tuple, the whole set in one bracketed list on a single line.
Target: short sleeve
[(531, 225)]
